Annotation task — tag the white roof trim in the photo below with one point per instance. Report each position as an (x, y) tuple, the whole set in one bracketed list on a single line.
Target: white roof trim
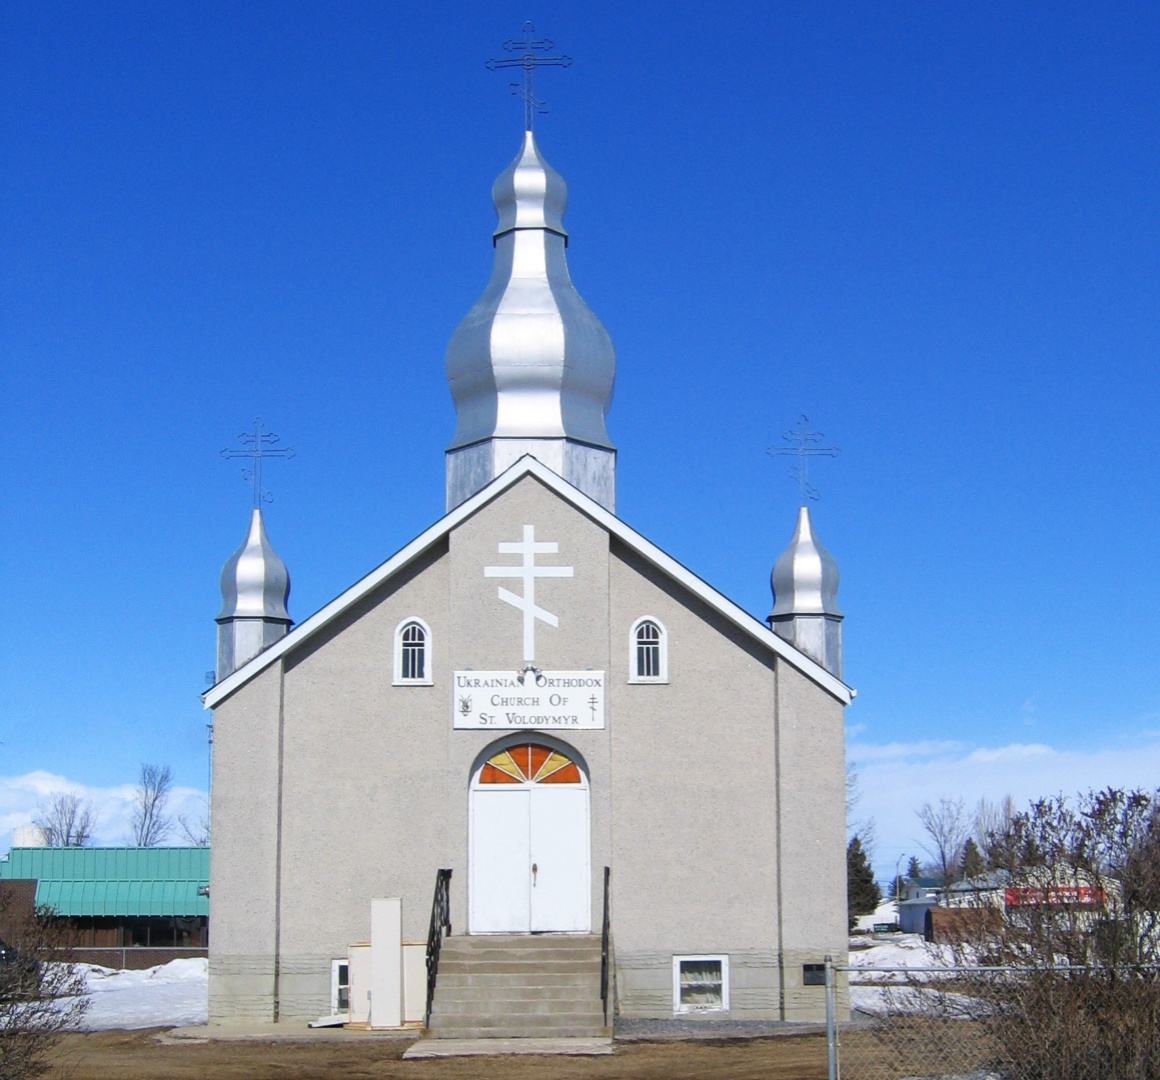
[(528, 465)]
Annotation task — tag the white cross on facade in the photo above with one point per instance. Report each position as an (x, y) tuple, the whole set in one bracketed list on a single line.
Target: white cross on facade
[(529, 571)]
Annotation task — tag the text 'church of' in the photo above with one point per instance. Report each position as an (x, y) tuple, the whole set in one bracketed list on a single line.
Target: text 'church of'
[(637, 788)]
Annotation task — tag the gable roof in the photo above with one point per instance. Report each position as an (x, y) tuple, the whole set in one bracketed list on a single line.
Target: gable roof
[(530, 466)]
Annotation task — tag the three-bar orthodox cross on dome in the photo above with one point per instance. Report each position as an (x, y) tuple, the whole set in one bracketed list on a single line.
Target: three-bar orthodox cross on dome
[(805, 577), (530, 368), (803, 449), (529, 61), (257, 444), (254, 581)]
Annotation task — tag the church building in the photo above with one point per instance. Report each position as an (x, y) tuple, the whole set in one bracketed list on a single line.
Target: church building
[(625, 794)]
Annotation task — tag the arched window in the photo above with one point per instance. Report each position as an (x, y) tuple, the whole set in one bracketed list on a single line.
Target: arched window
[(529, 763), (412, 653), (648, 652)]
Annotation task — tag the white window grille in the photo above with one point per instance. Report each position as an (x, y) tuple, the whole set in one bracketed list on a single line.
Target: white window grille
[(412, 653), (700, 984), (648, 646)]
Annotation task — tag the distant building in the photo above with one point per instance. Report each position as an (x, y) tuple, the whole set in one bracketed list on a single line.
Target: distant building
[(919, 888), (912, 914), (989, 889), (131, 907)]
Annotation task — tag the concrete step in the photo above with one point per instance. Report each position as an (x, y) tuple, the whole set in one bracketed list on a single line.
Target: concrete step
[(580, 1024), (545, 978), (518, 986), (518, 1033), (511, 956), (562, 940), (585, 968), (512, 1007), (521, 943), (503, 995), (461, 948)]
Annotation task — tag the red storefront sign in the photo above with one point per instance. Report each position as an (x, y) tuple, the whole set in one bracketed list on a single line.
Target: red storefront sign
[(1056, 895)]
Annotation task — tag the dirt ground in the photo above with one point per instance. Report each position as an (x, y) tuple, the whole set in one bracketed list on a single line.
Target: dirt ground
[(137, 1055)]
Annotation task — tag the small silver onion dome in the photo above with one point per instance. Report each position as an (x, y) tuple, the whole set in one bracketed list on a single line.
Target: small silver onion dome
[(255, 583), (530, 367), (255, 586), (805, 597), (805, 576)]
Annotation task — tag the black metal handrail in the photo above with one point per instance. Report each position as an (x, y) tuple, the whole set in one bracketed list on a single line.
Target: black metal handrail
[(604, 949), (440, 921)]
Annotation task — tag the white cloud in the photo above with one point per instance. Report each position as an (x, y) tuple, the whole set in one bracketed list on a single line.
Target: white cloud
[(20, 796), (897, 778), (899, 751)]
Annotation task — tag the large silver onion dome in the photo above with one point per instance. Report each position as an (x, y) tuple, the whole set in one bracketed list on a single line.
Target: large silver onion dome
[(805, 597), (255, 583), (530, 364)]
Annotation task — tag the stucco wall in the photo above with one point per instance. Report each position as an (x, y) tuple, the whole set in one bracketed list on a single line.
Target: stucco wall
[(685, 778), (812, 796), (694, 822), (244, 853), (364, 776)]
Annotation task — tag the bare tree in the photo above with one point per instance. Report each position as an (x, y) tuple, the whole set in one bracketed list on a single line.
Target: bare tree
[(853, 795), (948, 828), (864, 830), (1080, 925), (42, 993), (195, 828), (66, 820), (150, 823), (992, 823)]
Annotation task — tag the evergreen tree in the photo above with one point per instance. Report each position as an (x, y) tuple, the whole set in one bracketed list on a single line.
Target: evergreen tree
[(862, 891), (913, 870), (973, 862)]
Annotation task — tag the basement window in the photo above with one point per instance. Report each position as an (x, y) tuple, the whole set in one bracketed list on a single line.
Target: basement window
[(700, 984), (339, 987)]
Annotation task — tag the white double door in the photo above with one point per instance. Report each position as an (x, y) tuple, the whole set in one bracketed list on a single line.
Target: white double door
[(529, 859)]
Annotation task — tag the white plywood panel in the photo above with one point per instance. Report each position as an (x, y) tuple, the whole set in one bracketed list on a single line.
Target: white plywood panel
[(414, 982), (500, 861), (559, 853), (386, 962), (360, 984)]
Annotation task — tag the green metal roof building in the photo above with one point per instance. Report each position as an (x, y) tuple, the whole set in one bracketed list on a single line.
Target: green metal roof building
[(114, 882), (126, 904)]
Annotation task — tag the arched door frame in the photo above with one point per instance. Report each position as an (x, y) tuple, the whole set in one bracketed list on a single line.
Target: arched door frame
[(549, 742)]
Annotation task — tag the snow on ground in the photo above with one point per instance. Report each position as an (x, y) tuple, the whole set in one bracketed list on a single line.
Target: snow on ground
[(886, 912), (169, 995), (894, 951), (898, 950)]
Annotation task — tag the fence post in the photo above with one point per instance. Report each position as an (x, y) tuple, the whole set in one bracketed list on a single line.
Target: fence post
[(831, 1035)]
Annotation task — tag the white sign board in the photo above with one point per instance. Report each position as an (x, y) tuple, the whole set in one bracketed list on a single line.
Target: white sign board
[(547, 699)]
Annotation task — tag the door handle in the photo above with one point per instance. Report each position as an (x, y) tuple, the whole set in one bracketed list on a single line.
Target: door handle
[(535, 869)]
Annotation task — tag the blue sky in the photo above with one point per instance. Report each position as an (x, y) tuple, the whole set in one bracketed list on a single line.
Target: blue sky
[(932, 228)]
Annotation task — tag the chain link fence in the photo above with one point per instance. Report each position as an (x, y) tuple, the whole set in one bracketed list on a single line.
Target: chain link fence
[(996, 1023)]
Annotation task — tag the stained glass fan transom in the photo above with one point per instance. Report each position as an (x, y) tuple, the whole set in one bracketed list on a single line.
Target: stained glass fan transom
[(529, 764)]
